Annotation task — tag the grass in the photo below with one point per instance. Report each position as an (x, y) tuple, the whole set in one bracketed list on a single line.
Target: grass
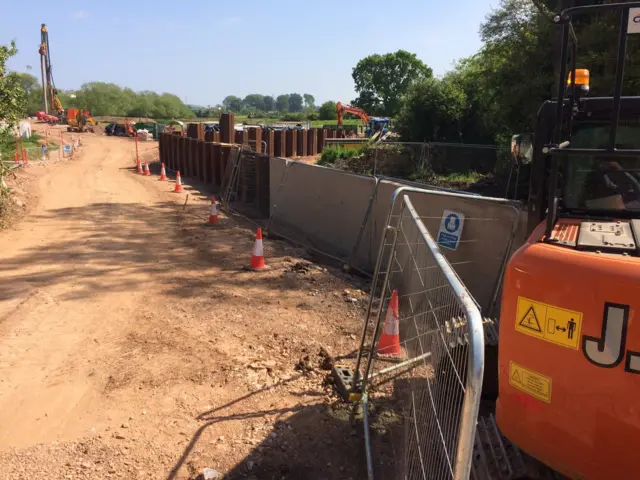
[(31, 145), (461, 178)]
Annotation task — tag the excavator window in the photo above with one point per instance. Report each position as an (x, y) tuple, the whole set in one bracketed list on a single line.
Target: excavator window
[(602, 182)]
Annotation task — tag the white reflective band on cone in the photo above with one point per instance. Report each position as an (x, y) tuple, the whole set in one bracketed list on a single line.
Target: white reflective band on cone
[(257, 249), (214, 211), (391, 325)]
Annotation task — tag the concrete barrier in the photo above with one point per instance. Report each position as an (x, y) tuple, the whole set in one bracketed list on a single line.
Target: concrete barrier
[(319, 207), (343, 215)]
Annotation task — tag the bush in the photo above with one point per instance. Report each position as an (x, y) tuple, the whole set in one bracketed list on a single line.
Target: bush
[(292, 117), (312, 117), (332, 154)]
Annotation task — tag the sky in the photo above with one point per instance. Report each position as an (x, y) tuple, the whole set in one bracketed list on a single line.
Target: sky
[(203, 51)]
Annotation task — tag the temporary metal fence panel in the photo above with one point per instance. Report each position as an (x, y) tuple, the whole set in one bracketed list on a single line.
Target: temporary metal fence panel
[(246, 182), (485, 238), (321, 208), (437, 384)]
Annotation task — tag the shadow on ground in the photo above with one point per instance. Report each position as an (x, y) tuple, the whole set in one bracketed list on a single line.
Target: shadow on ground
[(112, 246), (326, 441)]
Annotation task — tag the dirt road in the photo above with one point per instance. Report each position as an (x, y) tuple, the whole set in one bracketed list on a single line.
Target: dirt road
[(132, 345)]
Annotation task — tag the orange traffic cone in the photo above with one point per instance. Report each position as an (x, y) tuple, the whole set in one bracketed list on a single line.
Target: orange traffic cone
[(147, 172), (389, 343), (257, 259), (140, 168), (213, 216), (163, 173), (178, 188)]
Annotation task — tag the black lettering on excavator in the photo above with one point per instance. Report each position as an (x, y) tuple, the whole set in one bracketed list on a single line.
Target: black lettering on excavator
[(632, 365), (608, 350)]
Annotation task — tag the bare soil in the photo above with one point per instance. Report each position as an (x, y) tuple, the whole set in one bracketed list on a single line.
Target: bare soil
[(133, 345)]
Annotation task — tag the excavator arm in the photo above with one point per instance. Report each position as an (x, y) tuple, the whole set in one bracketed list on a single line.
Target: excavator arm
[(342, 109)]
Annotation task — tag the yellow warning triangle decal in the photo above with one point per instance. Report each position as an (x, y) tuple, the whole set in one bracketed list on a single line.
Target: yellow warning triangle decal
[(530, 320), (516, 377)]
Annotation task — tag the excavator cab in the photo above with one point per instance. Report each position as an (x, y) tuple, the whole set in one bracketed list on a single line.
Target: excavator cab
[(569, 350)]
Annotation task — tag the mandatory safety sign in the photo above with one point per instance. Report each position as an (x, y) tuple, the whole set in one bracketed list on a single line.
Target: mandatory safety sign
[(528, 381), (67, 149), (450, 229), (548, 322), (634, 21)]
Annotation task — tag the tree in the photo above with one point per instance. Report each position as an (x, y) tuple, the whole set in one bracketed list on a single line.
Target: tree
[(33, 92), (254, 101), (269, 103), (381, 80), (295, 102), (309, 100), (282, 103), (431, 111), (232, 103), (327, 111), (12, 98)]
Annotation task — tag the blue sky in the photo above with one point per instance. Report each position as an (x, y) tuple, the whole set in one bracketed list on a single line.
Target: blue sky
[(204, 50)]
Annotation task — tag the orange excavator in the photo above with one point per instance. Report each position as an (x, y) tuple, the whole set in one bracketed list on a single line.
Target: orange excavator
[(375, 125), (341, 109), (569, 346)]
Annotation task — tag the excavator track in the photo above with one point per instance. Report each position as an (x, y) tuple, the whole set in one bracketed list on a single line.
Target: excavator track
[(494, 456)]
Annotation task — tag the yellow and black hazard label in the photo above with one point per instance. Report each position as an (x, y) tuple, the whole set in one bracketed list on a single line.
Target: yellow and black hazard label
[(528, 381), (548, 322)]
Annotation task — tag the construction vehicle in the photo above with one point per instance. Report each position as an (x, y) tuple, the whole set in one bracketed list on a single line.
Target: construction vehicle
[(376, 126), (124, 128), (78, 120), (568, 355)]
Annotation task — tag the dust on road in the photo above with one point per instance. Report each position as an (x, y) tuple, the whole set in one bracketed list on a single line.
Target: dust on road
[(132, 345)]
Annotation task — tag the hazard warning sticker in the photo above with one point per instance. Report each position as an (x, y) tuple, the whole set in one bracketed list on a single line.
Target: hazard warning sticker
[(547, 322), (528, 381)]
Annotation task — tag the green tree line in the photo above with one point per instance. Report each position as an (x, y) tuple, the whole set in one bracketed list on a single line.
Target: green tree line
[(107, 99), (256, 103)]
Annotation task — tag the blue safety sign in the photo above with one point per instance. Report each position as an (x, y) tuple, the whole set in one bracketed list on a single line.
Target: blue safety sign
[(43, 149), (68, 149), (450, 229)]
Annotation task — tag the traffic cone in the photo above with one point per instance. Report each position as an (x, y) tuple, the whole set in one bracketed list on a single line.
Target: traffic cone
[(213, 216), (147, 172), (178, 188), (257, 259), (163, 174), (140, 171), (389, 343)]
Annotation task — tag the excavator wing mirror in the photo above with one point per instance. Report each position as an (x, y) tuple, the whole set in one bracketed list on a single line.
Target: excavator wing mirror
[(522, 148)]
